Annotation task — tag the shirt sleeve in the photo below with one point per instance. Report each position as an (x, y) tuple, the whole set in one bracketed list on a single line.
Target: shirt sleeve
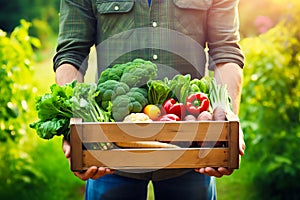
[(76, 34), (223, 33)]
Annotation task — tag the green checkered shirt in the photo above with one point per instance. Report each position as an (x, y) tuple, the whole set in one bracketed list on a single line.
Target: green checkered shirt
[(171, 33)]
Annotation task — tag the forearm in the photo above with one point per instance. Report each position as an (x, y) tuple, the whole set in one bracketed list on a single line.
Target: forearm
[(77, 26), (66, 73), (231, 74)]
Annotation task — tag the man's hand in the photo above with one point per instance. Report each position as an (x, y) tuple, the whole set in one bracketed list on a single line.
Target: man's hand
[(221, 171), (92, 172), (66, 73), (230, 74)]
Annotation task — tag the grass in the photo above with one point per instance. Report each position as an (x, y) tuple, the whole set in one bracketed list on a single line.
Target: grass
[(60, 182), (237, 185)]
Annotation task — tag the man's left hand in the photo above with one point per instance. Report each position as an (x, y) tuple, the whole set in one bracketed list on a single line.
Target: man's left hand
[(221, 171)]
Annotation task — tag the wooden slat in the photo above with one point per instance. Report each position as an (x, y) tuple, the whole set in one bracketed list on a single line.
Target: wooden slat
[(76, 145), (160, 131), (233, 143), (155, 159), (215, 131)]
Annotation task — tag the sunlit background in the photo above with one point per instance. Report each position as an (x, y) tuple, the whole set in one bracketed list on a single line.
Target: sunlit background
[(32, 168)]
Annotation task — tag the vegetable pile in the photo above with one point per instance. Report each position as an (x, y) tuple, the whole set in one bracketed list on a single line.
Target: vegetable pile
[(129, 92), (183, 99)]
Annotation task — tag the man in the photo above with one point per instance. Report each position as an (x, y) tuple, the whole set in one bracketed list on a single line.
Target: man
[(170, 33)]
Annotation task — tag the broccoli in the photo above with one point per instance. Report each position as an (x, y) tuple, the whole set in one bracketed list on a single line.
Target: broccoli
[(132, 102), (138, 73), (113, 73), (120, 107), (138, 99), (119, 85), (108, 90), (135, 73)]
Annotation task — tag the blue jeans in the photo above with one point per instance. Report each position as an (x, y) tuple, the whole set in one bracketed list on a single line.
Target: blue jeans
[(189, 186)]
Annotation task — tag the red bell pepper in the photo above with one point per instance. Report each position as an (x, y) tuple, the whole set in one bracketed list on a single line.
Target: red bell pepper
[(197, 103), (169, 117), (170, 106)]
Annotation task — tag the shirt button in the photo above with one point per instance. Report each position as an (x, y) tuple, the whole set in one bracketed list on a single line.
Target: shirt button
[(155, 57), (154, 24), (117, 8)]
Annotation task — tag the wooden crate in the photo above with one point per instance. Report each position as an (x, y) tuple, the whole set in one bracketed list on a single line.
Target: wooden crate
[(210, 133)]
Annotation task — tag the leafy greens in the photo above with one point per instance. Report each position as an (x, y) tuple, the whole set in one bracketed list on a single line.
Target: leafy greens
[(74, 100)]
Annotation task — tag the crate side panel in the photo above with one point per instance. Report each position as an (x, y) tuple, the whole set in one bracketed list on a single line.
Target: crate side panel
[(156, 159), (76, 146), (189, 131), (233, 143)]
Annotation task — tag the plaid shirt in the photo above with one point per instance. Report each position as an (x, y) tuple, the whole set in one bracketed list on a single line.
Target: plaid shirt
[(171, 33)]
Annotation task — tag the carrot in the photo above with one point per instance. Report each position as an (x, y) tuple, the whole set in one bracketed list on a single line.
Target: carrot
[(146, 144)]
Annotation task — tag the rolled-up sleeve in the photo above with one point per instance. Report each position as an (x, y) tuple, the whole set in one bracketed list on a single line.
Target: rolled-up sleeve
[(76, 34), (223, 33)]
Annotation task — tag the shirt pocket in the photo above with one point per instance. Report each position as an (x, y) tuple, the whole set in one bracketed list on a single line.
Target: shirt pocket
[(114, 7), (114, 16), (193, 4), (190, 18)]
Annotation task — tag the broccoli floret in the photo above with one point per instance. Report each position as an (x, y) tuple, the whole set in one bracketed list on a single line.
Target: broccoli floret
[(138, 95), (138, 73), (120, 107), (135, 73), (108, 90), (132, 102), (112, 73)]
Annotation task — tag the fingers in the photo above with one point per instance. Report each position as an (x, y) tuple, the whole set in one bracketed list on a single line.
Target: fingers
[(101, 172), (66, 148), (93, 173), (225, 171), (242, 148), (219, 172), (242, 145)]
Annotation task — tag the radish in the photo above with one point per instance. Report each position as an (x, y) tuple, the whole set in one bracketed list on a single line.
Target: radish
[(220, 102), (219, 114), (189, 118), (204, 116)]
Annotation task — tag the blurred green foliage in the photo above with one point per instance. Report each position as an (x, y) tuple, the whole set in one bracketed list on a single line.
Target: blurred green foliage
[(42, 14), (29, 168), (16, 60), (270, 110), (12, 11)]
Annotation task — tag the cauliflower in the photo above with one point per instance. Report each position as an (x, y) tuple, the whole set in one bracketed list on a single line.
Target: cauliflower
[(137, 117)]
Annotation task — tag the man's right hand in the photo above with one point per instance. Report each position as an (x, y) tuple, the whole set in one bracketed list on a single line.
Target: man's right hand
[(92, 172), (66, 73)]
